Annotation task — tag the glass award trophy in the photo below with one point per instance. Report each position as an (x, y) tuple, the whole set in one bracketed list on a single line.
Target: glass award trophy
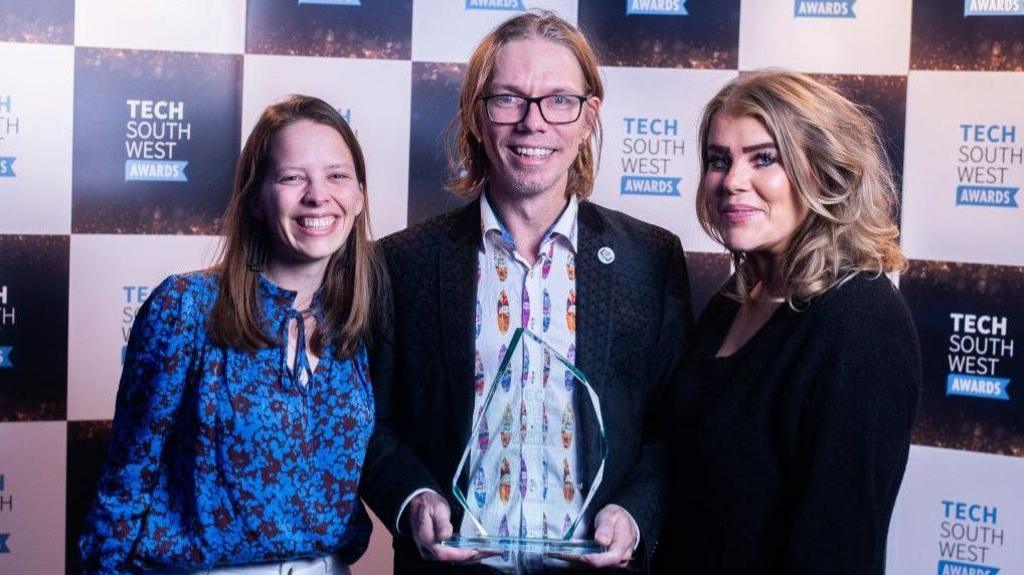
[(536, 455)]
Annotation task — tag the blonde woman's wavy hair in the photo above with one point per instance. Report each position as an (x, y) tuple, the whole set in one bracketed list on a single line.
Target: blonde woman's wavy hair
[(468, 164), (835, 161)]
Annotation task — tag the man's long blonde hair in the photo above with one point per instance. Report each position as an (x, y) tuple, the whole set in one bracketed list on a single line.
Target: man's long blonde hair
[(467, 160)]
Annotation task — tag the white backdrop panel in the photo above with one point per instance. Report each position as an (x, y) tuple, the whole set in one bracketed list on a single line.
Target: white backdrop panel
[(965, 149), (33, 465), (110, 278), (958, 507), (650, 163), (36, 106), (373, 95), (181, 25), (448, 30), (875, 40)]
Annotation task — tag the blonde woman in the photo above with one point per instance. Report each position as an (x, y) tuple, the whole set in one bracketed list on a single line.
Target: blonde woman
[(804, 373)]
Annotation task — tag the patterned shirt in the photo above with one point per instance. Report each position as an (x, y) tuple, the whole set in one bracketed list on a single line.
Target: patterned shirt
[(222, 457), (534, 491)]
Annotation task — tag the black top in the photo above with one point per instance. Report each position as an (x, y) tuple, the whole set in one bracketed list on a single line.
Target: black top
[(789, 453)]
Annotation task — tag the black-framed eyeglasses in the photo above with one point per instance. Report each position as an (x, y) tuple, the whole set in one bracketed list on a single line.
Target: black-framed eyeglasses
[(512, 109)]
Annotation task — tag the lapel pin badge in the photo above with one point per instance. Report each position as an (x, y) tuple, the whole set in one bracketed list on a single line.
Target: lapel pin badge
[(606, 255)]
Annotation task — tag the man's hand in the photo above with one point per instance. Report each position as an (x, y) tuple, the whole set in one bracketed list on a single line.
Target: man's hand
[(614, 529), (430, 524)]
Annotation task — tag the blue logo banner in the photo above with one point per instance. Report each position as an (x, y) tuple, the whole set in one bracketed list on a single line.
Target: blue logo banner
[(955, 568), (5, 356), (824, 9), (650, 186), (155, 171), (991, 196), (993, 8), (495, 5), (7, 167), (657, 7), (977, 386), (333, 2)]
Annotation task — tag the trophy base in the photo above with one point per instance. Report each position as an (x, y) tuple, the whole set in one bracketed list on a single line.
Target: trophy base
[(526, 545)]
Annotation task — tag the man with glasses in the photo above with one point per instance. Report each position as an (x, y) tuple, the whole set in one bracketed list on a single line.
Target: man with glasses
[(604, 290)]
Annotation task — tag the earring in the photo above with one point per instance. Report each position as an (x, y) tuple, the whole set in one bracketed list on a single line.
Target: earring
[(257, 253)]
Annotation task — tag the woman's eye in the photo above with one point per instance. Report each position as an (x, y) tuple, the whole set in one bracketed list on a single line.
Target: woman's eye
[(287, 179), (765, 159), (718, 162), (340, 176)]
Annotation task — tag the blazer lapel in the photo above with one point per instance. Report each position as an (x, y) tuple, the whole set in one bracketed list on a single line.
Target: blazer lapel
[(457, 265), (595, 286)]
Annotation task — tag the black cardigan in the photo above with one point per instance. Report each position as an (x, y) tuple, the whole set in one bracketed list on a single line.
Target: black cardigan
[(790, 452)]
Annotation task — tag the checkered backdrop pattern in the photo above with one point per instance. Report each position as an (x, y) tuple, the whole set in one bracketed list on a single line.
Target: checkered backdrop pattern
[(120, 121)]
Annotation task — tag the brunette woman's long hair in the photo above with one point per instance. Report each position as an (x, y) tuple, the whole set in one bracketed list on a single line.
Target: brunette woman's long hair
[(355, 286)]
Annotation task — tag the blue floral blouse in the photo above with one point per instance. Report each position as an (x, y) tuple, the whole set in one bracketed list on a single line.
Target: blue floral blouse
[(217, 456)]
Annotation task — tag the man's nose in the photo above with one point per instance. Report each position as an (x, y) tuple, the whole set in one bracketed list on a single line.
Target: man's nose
[(534, 119)]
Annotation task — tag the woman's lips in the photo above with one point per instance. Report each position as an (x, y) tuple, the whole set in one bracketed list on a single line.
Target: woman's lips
[(316, 225), (738, 213)]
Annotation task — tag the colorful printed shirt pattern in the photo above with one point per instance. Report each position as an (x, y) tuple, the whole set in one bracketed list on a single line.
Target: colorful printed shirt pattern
[(219, 456), (534, 493)]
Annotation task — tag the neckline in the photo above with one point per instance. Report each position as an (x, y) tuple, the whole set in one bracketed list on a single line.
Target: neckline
[(284, 299), (732, 308)]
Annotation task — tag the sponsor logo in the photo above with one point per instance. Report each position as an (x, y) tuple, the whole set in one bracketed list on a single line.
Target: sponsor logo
[(511, 5), (968, 534), (657, 7), (6, 499), (8, 316), (134, 297), (152, 134), (993, 8), (346, 114), (977, 386), (10, 125), (976, 347), (649, 149), (991, 196), (824, 9), (987, 155), (6, 505)]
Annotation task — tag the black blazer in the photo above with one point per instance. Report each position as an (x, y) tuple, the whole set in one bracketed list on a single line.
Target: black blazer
[(633, 316)]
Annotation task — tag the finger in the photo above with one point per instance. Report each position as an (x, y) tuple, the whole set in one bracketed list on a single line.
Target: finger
[(622, 541), (423, 533), (606, 523), (456, 555), (599, 560), (442, 523), (573, 557), (620, 547), (423, 527)]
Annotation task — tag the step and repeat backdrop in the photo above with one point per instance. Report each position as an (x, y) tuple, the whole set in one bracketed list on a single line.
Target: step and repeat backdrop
[(120, 121)]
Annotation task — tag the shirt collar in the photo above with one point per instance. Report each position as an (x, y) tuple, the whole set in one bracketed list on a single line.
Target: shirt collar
[(564, 227), (277, 301)]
